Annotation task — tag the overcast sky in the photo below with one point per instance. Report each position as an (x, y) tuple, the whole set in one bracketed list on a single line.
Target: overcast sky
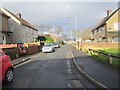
[(88, 14)]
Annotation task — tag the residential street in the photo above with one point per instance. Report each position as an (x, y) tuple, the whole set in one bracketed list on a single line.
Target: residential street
[(57, 44), (49, 70)]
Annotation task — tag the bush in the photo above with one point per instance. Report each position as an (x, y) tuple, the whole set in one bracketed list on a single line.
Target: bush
[(48, 40)]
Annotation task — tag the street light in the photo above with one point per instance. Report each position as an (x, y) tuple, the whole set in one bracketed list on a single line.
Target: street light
[(75, 21)]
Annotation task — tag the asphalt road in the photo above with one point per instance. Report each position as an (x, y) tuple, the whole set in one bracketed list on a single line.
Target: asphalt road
[(49, 70)]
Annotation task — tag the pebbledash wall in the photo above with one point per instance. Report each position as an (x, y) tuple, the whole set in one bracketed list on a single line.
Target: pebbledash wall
[(101, 45), (22, 33)]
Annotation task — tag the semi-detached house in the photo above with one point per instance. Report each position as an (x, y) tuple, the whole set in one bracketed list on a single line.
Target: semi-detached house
[(23, 31), (108, 29), (5, 33)]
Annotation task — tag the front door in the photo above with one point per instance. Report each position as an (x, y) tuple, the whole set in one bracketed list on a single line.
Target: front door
[(4, 38)]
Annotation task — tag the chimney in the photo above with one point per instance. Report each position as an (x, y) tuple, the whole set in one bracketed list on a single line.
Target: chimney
[(19, 15), (109, 12)]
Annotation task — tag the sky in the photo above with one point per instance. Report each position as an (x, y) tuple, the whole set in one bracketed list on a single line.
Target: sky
[(87, 14)]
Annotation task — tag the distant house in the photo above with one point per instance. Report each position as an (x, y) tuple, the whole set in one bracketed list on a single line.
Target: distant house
[(23, 31), (107, 29), (5, 33)]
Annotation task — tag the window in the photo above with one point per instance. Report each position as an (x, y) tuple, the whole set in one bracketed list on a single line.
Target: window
[(117, 25), (116, 39), (92, 32)]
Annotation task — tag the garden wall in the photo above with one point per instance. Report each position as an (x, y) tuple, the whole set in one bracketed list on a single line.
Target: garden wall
[(100, 45)]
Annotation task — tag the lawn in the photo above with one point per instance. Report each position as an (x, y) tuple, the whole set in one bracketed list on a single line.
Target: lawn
[(112, 51), (105, 59)]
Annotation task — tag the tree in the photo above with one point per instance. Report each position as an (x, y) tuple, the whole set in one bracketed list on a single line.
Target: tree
[(41, 38), (58, 30), (63, 37), (86, 34), (73, 32)]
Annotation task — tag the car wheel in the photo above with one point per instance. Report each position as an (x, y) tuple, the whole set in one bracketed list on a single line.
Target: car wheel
[(53, 50), (9, 76)]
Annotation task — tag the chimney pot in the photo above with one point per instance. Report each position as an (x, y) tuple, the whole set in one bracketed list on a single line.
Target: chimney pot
[(109, 12), (19, 15)]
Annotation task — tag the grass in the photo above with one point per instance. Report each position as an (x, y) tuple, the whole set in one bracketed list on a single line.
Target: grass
[(112, 51), (105, 59)]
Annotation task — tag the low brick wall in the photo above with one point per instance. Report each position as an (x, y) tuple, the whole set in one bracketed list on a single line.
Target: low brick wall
[(99, 45), (33, 49), (11, 52)]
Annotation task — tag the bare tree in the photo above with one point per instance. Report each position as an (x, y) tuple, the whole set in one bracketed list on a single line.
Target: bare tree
[(74, 33), (63, 37), (86, 34), (58, 30)]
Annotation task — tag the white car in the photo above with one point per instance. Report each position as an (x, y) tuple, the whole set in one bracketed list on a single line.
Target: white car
[(56, 45), (48, 48)]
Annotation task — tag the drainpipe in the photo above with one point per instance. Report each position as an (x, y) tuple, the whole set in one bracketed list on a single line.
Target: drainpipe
[(106, 33)]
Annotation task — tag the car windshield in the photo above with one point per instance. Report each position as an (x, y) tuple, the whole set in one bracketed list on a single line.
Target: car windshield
[(47, 45)]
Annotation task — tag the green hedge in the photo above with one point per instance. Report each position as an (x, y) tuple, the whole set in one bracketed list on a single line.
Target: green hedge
[(49, 40)]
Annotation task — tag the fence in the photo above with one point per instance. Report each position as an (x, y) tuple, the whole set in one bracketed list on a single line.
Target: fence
[(110, 57)]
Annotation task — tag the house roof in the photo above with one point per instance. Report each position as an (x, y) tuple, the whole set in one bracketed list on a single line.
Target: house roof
[(1, 12), (100, 23), (24, 22), (104, 20)]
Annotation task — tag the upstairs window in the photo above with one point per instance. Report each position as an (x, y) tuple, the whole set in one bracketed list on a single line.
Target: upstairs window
[(117, 26)]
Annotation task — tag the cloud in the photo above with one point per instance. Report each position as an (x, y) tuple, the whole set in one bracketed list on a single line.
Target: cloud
[(56, 13)]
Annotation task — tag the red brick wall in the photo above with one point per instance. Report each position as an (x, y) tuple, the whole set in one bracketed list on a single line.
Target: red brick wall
[(33, 49)]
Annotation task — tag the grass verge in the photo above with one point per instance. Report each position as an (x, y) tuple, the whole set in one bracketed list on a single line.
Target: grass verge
[(106, 59)]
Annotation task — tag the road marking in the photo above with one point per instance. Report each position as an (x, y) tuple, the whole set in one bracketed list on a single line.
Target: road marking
[(69, 67), (68, 63), (69, 85)]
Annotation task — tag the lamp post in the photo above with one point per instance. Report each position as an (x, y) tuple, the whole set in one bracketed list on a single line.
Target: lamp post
[(75, 22)]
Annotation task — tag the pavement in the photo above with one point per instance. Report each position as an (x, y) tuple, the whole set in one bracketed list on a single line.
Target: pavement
[(23, 59), (103, 73)]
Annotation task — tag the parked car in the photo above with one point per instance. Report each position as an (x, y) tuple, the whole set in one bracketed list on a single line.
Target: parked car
[(48, 48), (56, 45), (7, 70)]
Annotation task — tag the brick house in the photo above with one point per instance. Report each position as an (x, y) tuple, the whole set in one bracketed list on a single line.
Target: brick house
[(23, 31), (107, 29)]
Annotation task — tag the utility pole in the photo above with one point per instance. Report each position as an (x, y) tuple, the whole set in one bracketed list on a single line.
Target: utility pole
[(76, 32), (75, 22), (71, 35)]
